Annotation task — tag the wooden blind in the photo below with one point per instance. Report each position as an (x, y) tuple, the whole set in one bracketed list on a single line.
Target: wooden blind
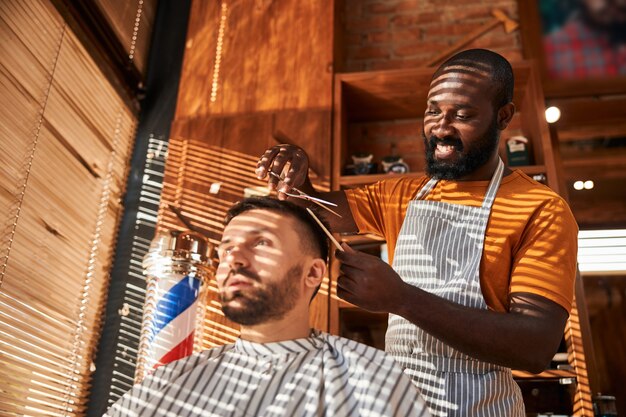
[(66, 136)]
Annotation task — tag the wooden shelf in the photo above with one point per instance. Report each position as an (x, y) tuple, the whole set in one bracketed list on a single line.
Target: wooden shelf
[(347, 180), (354, 180), (399, 94), (548, 374)]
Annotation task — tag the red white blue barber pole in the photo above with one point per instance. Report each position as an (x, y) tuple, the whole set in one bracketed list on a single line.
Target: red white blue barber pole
[(178, 268)]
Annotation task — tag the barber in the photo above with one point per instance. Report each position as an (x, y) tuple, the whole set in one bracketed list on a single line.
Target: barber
[(483, 258)]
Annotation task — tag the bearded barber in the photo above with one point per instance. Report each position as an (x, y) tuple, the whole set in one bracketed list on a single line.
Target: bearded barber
[(483, 258)]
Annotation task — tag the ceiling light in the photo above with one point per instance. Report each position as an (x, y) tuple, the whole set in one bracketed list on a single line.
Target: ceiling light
[(579, 185), (553, 114), (588, 185)]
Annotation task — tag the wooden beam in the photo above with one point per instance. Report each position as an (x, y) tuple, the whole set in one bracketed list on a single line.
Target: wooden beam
[(605, 164), (581, 133), (589, 118)]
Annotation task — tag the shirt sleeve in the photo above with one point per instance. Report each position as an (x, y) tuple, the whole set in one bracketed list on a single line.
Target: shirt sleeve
[(365, 205), (545, 261), (379, 208)]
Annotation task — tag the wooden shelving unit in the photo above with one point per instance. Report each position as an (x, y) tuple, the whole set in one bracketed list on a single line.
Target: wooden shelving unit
[(397, 95), (354, 180), (392, 95)]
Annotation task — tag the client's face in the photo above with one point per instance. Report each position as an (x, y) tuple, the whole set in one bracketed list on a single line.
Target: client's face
[(259, 276)]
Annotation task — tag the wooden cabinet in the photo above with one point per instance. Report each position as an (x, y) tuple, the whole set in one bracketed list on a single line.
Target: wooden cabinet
[(380, 112)]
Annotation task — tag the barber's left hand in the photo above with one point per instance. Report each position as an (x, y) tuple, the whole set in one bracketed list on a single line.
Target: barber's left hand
[(367, 281)]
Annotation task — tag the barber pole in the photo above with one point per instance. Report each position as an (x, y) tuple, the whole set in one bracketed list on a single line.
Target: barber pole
[(178, 271)]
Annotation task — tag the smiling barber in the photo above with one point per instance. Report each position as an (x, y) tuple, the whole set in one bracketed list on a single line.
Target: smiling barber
[(483, 258)]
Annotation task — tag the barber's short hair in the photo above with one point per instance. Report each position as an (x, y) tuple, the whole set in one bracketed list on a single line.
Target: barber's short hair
[(499, 69), (316, 241)]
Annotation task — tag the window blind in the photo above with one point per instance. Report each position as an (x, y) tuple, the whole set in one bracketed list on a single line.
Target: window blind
[(66, 136)]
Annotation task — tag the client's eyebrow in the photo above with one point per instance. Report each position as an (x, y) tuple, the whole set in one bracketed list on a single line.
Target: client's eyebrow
[(254, 233)]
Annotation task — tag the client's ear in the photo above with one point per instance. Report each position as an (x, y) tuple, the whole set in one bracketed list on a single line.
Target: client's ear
[(315, 274)]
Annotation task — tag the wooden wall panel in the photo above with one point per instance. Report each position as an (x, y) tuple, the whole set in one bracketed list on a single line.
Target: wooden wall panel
[(274, 55), (225, 150), (311, 130), (254, 71)]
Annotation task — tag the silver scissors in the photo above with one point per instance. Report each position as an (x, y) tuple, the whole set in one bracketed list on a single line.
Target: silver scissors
[(301, 194)]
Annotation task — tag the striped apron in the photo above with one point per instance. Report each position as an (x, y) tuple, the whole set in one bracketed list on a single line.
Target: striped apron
[(439, 250)]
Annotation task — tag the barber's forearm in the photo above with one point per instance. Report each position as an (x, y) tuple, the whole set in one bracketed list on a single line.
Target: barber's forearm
[(513, 340)]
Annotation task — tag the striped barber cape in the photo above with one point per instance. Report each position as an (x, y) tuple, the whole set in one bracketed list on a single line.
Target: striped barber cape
[(322, 375)]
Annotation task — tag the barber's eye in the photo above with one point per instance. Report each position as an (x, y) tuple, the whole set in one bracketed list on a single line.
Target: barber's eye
[(431, 112)]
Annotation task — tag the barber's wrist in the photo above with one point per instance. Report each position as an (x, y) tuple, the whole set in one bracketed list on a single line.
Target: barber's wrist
[(402, 303)]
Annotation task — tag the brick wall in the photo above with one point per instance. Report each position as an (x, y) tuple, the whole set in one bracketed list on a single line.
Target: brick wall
[(386, 34)]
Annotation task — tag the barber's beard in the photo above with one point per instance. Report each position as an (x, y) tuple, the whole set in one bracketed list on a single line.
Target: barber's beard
[(470, 159), (265, 302)]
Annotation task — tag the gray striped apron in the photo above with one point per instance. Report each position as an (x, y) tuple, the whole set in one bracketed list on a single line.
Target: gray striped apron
[(439, 250)]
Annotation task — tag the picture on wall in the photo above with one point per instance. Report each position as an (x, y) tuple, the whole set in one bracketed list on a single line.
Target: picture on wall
[(580, 44), (584, 39)]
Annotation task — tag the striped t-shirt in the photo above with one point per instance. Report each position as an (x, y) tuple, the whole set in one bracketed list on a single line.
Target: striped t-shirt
[(322, 375)]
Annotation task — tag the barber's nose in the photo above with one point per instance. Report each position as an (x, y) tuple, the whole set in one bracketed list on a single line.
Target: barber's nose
[(442, 127)]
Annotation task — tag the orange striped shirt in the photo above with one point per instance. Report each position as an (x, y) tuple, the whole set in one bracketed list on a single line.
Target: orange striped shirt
[(531, 240)]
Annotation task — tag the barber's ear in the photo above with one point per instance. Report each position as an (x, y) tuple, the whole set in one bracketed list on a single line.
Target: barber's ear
[(505, 114), (315, 275)]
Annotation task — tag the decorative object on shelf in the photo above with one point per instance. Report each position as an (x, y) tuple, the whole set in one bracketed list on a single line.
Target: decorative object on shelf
[(604, 406), (178, 272), (361, 164), (394, 165), (517, 152)]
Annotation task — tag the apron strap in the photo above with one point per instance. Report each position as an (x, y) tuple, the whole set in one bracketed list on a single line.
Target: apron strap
[(494, 184), (426, 188), (490, 196)]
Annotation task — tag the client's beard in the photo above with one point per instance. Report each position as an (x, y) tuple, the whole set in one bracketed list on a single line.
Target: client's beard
[(269, 302)]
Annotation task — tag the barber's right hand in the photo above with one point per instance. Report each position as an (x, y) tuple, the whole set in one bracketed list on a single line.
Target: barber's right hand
[(288, 160)]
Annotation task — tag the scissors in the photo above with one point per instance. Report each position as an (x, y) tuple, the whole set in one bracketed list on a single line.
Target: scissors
[(301, 194), (330, 235)]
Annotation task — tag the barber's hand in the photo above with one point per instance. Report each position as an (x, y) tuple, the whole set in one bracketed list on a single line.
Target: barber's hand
[(276, 159), (368, 282)]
